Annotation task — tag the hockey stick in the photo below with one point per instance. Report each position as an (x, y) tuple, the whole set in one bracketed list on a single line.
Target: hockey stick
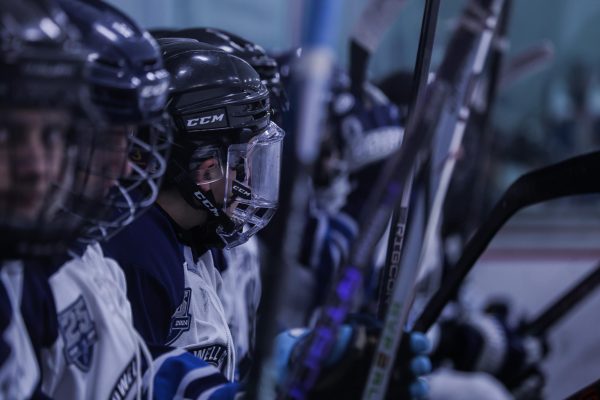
[(374, 21), (518, 67), (574, 176), (381, 202), (404, 288), (481, 123), (558, 309), (473, 111), (400, 214), (311, 82)]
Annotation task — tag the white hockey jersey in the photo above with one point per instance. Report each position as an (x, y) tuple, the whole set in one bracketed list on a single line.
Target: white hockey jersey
[(200, 324), (94, 350), (176, 295)]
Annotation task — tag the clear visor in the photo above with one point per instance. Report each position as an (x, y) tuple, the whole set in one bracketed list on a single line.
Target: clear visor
[(253, 170), (247, 187), (252, 192)]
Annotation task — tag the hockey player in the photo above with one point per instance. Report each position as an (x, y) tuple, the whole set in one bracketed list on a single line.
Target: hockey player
[(240, 266), (82, 292), (221, 187), (361, 130), (77, 313), (42, 114)]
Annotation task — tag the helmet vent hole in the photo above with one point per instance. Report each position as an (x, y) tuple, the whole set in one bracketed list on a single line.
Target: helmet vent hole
[(107, 62), (149, 63)]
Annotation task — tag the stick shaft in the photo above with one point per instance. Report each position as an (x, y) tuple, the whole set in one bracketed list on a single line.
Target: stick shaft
[(557, 310)]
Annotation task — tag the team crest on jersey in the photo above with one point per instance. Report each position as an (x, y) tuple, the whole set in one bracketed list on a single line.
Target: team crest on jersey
[(181, 319), (79, 335)]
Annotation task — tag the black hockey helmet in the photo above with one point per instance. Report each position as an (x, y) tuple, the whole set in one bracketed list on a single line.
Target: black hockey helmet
[(43, 99), (41, 59), (253, 54), (129, 87), (221, 112), (160, 33)]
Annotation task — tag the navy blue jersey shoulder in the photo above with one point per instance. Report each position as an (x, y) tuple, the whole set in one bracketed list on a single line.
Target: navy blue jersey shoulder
[(151, 256)]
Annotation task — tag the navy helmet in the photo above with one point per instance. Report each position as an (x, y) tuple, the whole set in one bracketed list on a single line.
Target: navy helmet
[(129, 88), (44, 110), (253, 54), (223, 135), (41, 60)]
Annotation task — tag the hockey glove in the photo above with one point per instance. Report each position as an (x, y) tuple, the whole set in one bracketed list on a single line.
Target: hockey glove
[(487, 342), (345, 372)]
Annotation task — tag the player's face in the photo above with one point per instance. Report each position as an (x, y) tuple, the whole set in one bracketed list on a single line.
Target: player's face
[(217, 187), (32, 148)]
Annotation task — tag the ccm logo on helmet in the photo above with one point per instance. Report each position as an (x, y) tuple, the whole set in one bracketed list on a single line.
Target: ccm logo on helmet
[(242, 191), (206, 203), (208, 119)]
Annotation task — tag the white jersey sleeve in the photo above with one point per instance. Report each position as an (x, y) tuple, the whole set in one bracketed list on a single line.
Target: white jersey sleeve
[(97, 352)]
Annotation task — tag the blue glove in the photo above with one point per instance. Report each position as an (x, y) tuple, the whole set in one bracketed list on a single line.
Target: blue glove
[(345, 371)]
